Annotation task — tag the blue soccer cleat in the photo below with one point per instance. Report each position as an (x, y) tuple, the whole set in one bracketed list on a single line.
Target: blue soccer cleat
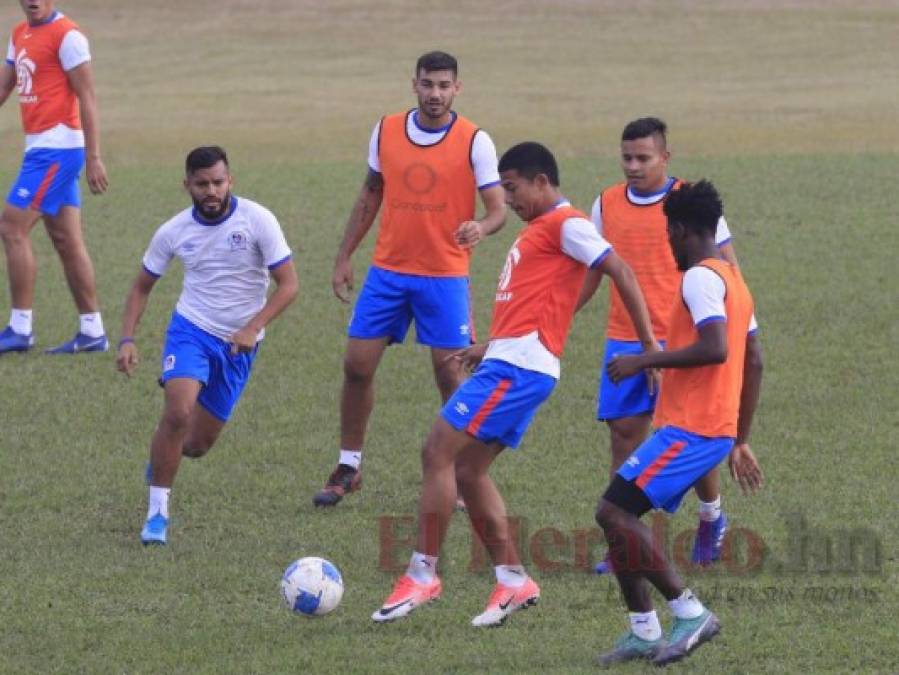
[(604, 566), (709, 537), (629, 647), (81, 343), (686, 635), (155, 530), (11, 341)]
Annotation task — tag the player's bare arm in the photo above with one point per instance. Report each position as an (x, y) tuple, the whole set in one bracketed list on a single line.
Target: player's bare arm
[(363, 215), (744, 467), (588, 290), (7, 81), (81, 78), (709, 349), (629, 289), (135, 304), (287, 285), (471, 232)]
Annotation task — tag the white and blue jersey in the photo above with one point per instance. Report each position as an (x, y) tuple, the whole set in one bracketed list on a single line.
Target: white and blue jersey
[(226, 263)]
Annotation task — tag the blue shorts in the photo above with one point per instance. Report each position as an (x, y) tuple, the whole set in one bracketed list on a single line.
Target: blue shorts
[(631, 395), (668, 464), (193, 353), (441, 307), (498, 402), (48, 180)]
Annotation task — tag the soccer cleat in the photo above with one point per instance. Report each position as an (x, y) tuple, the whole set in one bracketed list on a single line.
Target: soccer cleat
[(686, 635), (81, 343), (629, 647), (11, 341), (604, 566), (709, 537), (155, 530), (343, 480), (507, 599), (407, 595)]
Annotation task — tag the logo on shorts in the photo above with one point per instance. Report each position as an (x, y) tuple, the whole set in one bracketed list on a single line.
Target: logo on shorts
[(461, 408), (169, 363), (238, 241), (633, 460), (23, 193), (463, 329)]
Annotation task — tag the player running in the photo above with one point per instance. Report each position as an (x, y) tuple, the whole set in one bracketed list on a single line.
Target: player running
[(424, 167), (228, 246), (710, 388), (519, 365), (49, 61), (629, 216)]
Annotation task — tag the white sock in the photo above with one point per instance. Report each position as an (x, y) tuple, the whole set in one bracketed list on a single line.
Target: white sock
[(710, 511), (686, 606), (351, 458), (20, 321), (91, 325), (645, 625), (422, 568), (511, 575), (158, 501)]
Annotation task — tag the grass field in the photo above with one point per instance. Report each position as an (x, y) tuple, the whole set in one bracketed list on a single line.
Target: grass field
[(790, 107)]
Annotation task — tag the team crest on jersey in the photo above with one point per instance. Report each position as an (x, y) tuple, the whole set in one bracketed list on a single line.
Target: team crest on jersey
[(25, 68), (238, 241)]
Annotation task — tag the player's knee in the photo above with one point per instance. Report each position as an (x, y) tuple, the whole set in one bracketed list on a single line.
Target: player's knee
[(606, 515), (11, 234), (357, 371), (175, 418), (195, 450)]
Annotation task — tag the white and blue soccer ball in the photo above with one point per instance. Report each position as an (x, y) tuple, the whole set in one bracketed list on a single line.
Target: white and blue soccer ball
[(312, 586)]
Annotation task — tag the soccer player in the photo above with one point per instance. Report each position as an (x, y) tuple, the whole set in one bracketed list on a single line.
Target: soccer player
[(519, 365), (424, 167), (49, 61), (629, 216), (711, 376), (228, 246)]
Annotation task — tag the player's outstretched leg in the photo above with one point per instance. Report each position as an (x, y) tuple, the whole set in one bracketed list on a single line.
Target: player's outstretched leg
[(15, 226)]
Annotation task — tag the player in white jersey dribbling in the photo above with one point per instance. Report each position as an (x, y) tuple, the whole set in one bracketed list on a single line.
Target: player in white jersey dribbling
[(229, 247)]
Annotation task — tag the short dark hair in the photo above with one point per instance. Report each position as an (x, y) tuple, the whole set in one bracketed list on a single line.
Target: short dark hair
[(436, 61), (696, 206), (204, 157), (643, 127), (530, 159)]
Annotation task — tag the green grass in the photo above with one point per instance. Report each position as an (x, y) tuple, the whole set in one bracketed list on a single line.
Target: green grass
[(789, 109)]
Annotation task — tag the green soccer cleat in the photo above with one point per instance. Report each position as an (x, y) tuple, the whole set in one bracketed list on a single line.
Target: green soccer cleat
[(629, 647), (686, 635)]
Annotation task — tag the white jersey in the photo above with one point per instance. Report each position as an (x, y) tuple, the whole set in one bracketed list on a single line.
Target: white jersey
[(483, 151), (226, 264)]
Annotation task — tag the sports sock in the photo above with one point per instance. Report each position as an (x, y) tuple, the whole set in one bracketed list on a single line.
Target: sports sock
[(686, 606), (710, 511), (511, 575), (645, 625), (91, 325), (158, 501), (422, 568), (20, 321), (351, 458)]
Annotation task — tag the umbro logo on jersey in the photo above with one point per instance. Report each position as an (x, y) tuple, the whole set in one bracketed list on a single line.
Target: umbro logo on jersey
[(461, 408)]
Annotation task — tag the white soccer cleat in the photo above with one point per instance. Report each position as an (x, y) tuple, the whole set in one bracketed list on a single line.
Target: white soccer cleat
[(507, 599)]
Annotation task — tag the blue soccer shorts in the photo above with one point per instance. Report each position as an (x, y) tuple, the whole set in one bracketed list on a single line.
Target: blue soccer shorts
[(498, 402), (389, 301), (48, 180), (195, 354), (631, 395), (668, 464)]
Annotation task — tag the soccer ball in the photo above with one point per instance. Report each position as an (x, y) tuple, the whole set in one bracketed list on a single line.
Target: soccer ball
[(312, 586)]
